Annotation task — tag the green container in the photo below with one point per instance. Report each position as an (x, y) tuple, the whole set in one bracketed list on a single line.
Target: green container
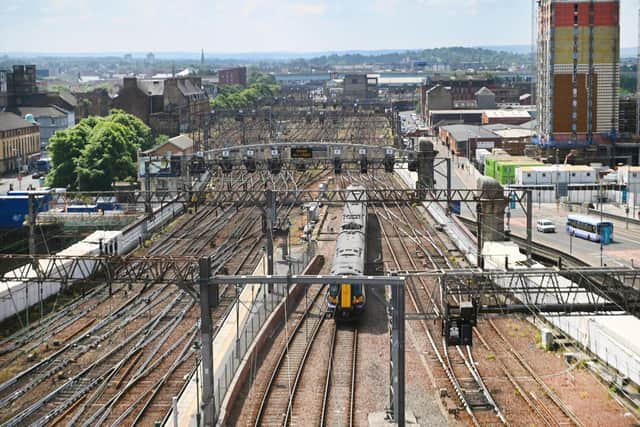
[(505, 169), (490, 164)]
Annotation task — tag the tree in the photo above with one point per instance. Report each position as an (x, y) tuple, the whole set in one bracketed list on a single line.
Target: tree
[(108, 156), (97, 151), (64, 149), (140, 132), (234, 97), (262, 78)]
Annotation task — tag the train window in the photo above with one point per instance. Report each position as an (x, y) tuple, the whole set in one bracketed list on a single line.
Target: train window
[(333, 290)]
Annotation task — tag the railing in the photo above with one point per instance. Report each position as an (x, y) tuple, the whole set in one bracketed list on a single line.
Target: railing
[(256, 305)]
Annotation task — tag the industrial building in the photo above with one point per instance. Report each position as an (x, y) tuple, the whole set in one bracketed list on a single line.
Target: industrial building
[(578, 72), (233, 76), (360, 86)]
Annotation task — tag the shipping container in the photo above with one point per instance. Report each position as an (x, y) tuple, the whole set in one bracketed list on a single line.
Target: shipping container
[(82, 208), (556, 174), (43, 201), (107, 204), (490, 164), (506, 169), (14, 209)]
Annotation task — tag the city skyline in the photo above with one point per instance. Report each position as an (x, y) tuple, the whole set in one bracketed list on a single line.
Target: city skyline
[(263, 26)]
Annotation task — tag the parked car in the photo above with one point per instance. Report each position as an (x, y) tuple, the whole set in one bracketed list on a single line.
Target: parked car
[(545, 226)]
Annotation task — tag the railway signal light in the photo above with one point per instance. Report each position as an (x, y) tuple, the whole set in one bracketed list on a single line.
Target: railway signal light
[(389, 160), (275, 164), (225, 163), (250, 161), (363, 161), (337, 161), (459, 322)]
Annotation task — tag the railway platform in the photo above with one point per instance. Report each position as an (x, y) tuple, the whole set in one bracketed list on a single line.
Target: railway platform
[(235, 335)]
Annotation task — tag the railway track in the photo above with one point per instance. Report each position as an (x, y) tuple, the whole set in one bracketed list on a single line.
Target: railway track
[(87, 397), (402, 237), (544, 403), (340, 386), (277, 401)]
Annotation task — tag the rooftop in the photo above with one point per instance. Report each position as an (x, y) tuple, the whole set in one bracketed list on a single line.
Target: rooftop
[(460, 111), (484, 91), (466, 132), (495, 114), (183, 142), (42, 112), (154, 87), (10, 121), (514, 133)]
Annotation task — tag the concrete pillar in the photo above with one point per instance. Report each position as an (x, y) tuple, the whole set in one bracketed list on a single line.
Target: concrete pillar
[(491, 211), (426, 155)]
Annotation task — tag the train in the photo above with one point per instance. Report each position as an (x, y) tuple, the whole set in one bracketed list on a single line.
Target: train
[(347, 301)]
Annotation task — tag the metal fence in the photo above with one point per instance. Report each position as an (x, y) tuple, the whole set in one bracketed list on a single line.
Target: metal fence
[(256, 304)]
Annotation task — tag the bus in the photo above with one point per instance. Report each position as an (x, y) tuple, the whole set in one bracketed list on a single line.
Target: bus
[(590, 228), (43, 166)]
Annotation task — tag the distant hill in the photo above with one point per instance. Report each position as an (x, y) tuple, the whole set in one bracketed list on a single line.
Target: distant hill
[(625, 52)]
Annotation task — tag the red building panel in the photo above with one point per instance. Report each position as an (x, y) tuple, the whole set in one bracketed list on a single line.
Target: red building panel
[(604, 14), (563, 14)]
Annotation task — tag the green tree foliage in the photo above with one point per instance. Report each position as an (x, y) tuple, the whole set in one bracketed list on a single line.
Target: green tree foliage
[(256, 77), (97, 151), (236, 97), (140, 130), (108, 156), (161, 139), (628, 82), (65, 147)]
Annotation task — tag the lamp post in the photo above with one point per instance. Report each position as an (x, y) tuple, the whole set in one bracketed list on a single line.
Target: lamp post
[(571, 243)]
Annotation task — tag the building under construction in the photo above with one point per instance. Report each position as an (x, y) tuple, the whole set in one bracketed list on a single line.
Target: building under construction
[(578, 72)]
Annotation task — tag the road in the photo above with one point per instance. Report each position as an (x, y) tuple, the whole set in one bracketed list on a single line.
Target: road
[(12, 180), (624, 251)]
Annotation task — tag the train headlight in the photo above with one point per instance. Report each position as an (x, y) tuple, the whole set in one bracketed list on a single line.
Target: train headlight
[(333, 300), (358, 299)]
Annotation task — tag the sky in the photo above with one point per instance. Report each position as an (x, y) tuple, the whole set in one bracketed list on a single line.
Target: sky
[(231, 26)]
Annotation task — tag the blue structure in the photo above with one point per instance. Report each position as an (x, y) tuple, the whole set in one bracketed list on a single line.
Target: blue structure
[(14, 209)]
